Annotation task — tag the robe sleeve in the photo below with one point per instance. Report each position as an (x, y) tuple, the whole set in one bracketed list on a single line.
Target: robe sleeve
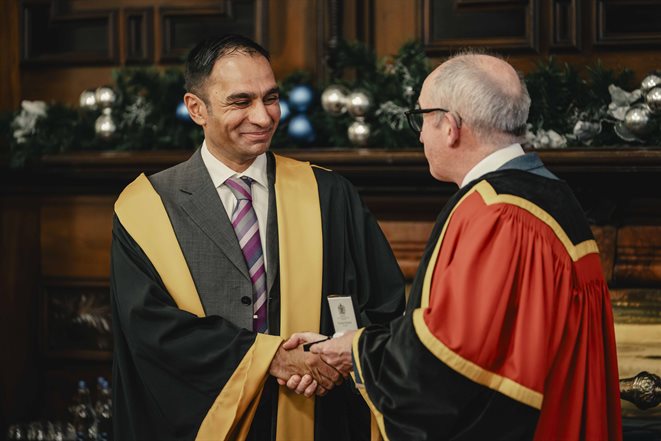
[(358, 262), (471, 362), (367, 268), (170, 366)]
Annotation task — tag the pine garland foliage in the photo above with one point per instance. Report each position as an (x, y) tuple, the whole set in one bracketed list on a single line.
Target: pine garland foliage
[(560, 97), (147, 99)]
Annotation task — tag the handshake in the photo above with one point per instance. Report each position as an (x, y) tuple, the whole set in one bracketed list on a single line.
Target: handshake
[(325, 366)]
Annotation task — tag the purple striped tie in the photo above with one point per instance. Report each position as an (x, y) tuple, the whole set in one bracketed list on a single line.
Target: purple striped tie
[(244, 221)]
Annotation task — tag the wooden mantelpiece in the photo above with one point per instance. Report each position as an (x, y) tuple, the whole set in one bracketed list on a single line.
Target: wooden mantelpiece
[(55, 233)]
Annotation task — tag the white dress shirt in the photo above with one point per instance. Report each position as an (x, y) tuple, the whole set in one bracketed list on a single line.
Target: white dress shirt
[(493, 162), (219, 173)]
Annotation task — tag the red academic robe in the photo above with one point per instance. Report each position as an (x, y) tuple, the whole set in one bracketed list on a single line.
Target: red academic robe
[(509, 330)]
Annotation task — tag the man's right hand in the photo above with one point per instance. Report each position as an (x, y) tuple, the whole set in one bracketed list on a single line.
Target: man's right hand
[(287, 364)]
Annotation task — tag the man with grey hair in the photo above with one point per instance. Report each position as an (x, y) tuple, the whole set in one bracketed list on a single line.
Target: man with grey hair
[(508, 333)]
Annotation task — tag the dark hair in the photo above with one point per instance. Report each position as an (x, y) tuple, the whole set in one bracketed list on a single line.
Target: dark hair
[(203, 57)]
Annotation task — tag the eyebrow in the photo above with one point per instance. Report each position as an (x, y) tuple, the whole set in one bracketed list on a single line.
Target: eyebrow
[(251, 96)]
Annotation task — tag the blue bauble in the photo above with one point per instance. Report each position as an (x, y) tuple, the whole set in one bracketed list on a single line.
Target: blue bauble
[(284, 110), (300, 97), (182, 112), (301, 129)]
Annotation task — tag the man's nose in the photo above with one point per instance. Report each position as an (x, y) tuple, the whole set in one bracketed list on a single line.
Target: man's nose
[(259, 115)]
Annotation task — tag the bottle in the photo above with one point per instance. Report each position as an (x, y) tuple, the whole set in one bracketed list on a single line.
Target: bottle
[(103, 409), (84, 420)]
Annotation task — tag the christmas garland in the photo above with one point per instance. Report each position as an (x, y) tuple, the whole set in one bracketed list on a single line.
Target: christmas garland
[(363, 105)]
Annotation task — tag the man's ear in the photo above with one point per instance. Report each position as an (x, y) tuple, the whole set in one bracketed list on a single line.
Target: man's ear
[(453, 130), (197, 109)]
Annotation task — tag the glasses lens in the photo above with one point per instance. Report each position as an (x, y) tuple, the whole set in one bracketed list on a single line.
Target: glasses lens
[(415, 121)]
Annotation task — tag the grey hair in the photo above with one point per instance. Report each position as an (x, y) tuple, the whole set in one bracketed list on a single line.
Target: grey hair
[(466, 87)]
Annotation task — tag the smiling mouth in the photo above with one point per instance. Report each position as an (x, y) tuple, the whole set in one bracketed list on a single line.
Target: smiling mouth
[(260, 134)]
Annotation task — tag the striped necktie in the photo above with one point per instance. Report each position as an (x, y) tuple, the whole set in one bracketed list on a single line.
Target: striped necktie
[(244, 221)]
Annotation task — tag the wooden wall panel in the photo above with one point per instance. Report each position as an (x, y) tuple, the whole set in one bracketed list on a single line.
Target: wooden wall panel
[(57, 36), (62, 84), (638, 255), (19, 280), (138, 31), (564, 29), (183, 27), (292, 36), (606, 237), (10, 55), (626, 23), (408, 241), (295, 35), (499, 24), (75, 236), (395, 22)]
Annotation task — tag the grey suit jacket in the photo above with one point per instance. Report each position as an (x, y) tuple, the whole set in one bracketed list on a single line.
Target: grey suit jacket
[(209, 244)]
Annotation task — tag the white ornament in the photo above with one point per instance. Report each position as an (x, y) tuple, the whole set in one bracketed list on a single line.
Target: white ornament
[(137, 112), (620, 97), (653, 100), (545, 139), (25, 122), (359, 133), (334, 100), (392, 114), (87, 100), (584, 131), (104, 126), (557, 141), (358, 103), (617, 112), (105, 97), (639, 121), (650, 82)]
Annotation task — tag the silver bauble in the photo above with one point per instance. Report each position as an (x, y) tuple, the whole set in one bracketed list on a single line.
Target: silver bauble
[(87, 100), (359, 133), (105, 97), (638, 120), (358, 103), (653, 100), (650, 82), (105, 127), (334, 100), (624, 133)]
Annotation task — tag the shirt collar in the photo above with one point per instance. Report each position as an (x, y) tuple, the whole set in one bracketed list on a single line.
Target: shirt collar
[(493, 162), (219, 172)]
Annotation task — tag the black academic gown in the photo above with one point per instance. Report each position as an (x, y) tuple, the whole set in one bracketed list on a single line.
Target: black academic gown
[(169, 365)]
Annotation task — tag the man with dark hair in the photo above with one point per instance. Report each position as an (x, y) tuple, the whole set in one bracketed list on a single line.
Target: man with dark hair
[(508, 332), (216, 258)]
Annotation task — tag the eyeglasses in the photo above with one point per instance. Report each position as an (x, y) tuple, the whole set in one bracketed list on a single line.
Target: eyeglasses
[(414, 117)]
